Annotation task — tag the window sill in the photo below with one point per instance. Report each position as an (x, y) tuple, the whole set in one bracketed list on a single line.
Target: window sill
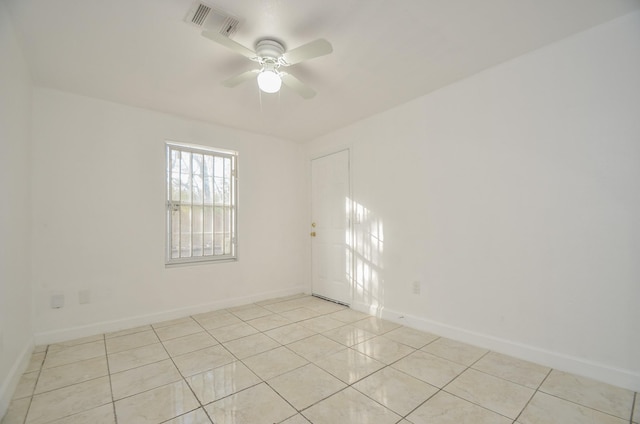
[(191, 262)]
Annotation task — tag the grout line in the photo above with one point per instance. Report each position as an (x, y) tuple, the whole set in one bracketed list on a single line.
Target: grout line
[(183, 379), (33, 392), (534, 394), (633, 407), (308, 362), (113, 401)]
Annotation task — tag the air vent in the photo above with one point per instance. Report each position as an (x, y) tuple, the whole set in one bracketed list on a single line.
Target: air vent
[(208, 18), (201, 14)]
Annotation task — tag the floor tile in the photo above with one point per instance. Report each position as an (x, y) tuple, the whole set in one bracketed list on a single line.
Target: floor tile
[(251, 312), (455, 351), (376, 325), (178, 330), (209, 314), (315, 347), (493, 393), (256, 405), (414, 338), (349, 365), (290, 333), (35, 362), (251, 345), (281, 299), (232, 332), (396, 390), (172, 322), (287, 305), (128, 359), (26, 385), (429, 368), (269, 322), (137, 380), (348, 316), (546, 409), (100, 415), (298, 373), (66, 375), (515, 370), (299, 314), (194, 417), (69, 400), (40, 348), (350, 406), (67, 355), (323, 306), (296, 419), (75, 342), (321, 324), (203, 360), (348, 335), (189, 343), (218, 320), (17, 411), (590, 393), (131, 341), (306, 385), (223, 381), (384, 350), (445, 408), (127, 331), (274, 362), (157, 405)]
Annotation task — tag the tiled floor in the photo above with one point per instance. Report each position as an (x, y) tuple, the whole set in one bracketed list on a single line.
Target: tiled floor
[(299, 360)]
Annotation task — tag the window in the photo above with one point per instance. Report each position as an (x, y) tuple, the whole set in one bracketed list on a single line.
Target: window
[(201, 204)]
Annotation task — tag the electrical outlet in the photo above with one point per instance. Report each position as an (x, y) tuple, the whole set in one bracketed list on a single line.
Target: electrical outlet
[(416, 287), (84, 296), (57, 301)]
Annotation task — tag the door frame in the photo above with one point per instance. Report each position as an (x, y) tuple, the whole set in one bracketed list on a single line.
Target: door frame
[(350, 259)]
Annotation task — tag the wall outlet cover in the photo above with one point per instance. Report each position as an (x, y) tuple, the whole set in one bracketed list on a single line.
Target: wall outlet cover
[(84, 297), (57, 301)]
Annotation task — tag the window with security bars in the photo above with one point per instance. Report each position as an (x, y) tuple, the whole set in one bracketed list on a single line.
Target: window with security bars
[(201, 204)]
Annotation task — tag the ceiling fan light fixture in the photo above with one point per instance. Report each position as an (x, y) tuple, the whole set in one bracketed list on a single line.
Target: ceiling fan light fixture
[(269, 81)]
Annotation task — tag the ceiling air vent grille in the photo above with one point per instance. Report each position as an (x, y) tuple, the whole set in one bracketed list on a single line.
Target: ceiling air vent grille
[(208, 18), (201, 14)]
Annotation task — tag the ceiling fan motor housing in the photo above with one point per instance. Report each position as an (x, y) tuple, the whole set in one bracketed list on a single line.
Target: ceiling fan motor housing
[(269, 49)]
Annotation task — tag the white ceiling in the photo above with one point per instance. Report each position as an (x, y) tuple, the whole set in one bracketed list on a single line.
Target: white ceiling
[(143, 53)]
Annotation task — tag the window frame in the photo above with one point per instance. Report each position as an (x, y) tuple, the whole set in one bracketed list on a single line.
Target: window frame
[(170, 204)]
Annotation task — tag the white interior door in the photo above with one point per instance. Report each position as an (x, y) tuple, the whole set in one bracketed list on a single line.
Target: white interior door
[(330, 263)]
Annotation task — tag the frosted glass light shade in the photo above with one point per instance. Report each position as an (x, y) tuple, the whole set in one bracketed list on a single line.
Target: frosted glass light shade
[(269, 81)]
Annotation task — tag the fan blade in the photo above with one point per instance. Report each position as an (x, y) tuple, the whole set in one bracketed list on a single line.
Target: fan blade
[(317, 48), (230, 44), (296, 85), (239, 79)]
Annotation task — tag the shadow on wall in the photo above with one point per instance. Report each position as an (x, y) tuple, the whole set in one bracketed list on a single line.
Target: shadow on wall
[(365, 266)]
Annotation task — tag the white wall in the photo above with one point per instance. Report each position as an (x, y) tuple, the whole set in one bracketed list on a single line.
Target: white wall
[(99, 218), (16, 333), (514, 198)]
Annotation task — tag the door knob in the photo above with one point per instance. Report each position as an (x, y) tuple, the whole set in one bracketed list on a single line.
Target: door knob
[(313, 233)]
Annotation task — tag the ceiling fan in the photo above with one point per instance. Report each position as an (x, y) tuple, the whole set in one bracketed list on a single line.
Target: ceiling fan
[(271, 56)]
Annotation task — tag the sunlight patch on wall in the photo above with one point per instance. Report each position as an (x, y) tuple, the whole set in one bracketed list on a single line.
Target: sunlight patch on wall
[(365, 248)]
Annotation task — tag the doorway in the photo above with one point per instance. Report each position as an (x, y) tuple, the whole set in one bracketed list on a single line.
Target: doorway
[(330, 227)]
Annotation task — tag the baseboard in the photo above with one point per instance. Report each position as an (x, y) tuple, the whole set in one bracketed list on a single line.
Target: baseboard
[(597, 371), (10, 383), (65, 334)]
